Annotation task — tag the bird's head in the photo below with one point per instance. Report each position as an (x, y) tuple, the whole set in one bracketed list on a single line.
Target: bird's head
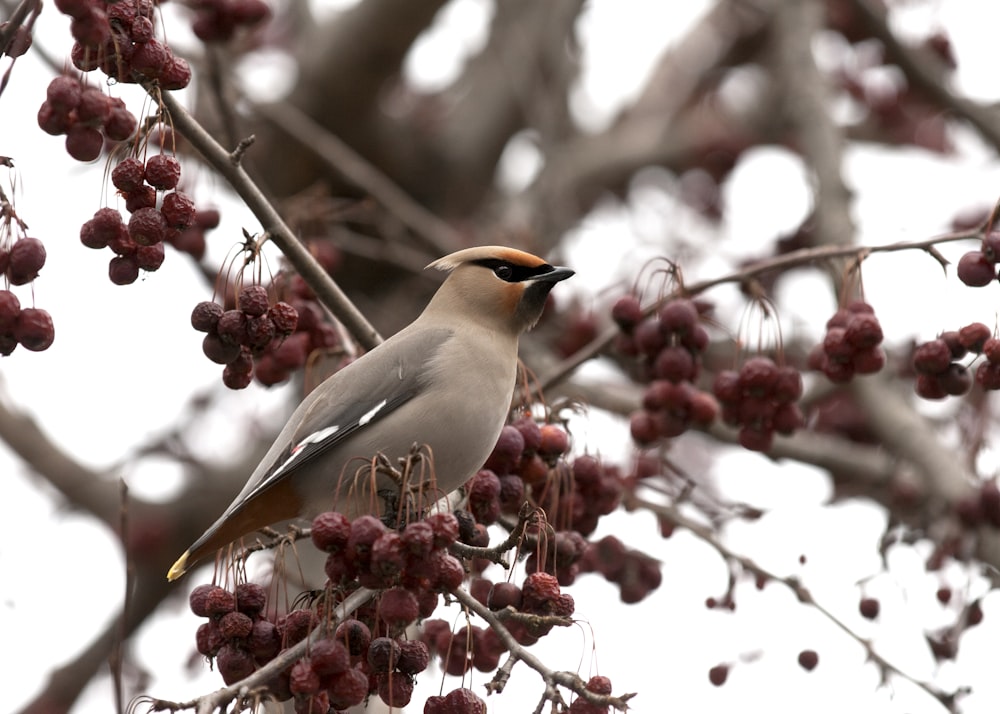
[(497, 286)]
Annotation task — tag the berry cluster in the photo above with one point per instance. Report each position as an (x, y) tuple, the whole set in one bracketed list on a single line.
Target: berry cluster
[(20, 263), (852, 344), (28, 326), (670, 344), (85, 115), (939, 374), (139, 244), (118, 38), (312, 332), (457, 701), (978, 268), (635, 573), (218, 20), (760, 399), (234, 336)]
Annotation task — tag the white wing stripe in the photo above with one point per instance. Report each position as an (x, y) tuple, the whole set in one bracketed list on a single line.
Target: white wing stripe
[(369, 415)]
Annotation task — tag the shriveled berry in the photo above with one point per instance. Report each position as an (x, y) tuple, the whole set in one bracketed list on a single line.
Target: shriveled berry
[(284, 316), (444, 526), (25, 259), (250, 598), (330, 531), (395, 689), (304, 679), (348, 689), (149, 59), (235, 625), (329, 656), (252, 300), (147, 226), (504, 594), (234, 664), (142, 197), (538, 590), (383, 653), (198, 599), (205, 316), (178, 210), (414, 656), (868, 361), (163, 172), (232, 327), (127, 175), (355, 635)]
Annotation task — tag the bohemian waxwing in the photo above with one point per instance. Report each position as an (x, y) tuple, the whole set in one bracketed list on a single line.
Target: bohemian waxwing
[(445, 381)]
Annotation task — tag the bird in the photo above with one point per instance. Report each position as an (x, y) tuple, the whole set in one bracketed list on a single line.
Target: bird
[(445, 381)]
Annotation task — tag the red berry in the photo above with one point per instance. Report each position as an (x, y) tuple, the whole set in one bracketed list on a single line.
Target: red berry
[(808, 659), (383, 653), (507, 452), (163, 172), (205, 316), (717, 675), (678, 316), (932, 357), (331, 531), (34, 329), (869, 608), (929, 386), (149, 59), (10, 308), (147, 226), (178, 210), (627, 312), (863, 331), (675, 364), (554, 441), (84, 143), (956, 380), (234, 664), (284, 316), (644, 427), (25, 259), (121, 124), (758, 376), (123, 269), (252, 300), (63, 93), (348, 688), (355, 635), (973, 336), (150, 257), (975, 270), (127, 175)]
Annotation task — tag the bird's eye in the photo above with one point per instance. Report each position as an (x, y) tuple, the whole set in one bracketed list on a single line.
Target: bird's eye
[(504, 272)]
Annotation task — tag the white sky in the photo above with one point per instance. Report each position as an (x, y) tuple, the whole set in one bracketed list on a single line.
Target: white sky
[(110, 381)]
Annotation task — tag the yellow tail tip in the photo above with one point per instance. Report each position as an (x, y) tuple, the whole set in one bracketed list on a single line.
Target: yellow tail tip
[(178, 568)]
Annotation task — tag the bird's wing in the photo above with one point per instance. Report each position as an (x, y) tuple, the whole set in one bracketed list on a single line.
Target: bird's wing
[(352, 399)]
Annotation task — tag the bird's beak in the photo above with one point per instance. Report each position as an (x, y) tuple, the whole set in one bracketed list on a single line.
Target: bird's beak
[(555, 275)]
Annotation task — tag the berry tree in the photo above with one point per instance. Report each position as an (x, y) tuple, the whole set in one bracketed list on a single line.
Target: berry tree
[(283, 214)]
